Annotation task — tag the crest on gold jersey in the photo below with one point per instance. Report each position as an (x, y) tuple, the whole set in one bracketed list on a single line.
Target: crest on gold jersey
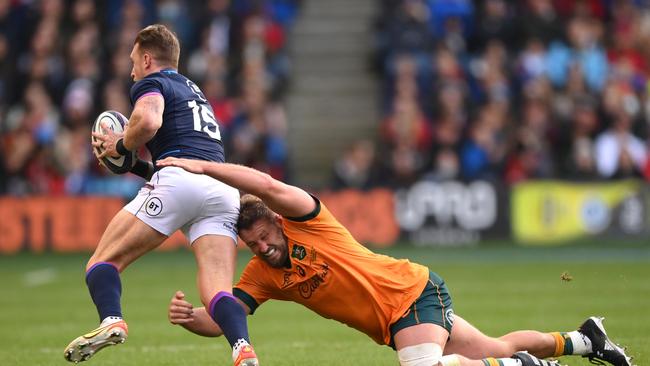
[(298, 252)]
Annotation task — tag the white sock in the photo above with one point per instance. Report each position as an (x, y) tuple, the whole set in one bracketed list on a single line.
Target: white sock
[(241, 342), (502, 361), (581, 344), (110, 320), (510, 362)]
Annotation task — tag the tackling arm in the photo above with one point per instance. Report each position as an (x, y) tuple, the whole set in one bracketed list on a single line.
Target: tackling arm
[(284, 199), (196, 320), (202, 324)]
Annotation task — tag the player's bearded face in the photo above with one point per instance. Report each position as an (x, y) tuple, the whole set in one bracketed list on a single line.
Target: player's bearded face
[(267, 241)]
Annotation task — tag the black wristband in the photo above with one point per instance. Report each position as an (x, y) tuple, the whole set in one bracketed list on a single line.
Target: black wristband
[(121, 149), (142, 169)]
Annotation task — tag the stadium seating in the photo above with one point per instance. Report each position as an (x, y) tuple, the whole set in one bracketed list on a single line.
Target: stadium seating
[(62, 62)]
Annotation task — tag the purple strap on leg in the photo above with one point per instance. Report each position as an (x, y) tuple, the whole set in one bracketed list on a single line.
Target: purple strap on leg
[(216, 298), (98, 264)]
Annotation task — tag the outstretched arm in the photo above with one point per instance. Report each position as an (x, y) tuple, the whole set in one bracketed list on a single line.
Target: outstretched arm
[(284, 199), (196, 320)]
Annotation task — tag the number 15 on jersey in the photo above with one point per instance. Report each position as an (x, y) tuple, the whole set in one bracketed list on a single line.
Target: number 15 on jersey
[(204, 120)]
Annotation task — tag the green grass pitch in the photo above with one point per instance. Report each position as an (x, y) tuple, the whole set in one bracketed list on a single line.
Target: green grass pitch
[(44, 304)]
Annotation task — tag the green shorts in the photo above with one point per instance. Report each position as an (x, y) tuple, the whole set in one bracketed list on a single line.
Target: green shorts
[(433, 306)]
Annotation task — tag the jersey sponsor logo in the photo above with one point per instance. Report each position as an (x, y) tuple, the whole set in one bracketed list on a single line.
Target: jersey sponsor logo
[(300, 270), (287, 280), (313, 255), (153, 206), (310, 286), (298, 252)]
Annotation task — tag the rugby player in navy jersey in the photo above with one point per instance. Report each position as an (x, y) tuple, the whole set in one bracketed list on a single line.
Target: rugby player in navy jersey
[(172, 117)]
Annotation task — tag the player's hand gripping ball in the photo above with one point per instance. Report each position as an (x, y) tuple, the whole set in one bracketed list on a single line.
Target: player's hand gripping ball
[(116, 122)]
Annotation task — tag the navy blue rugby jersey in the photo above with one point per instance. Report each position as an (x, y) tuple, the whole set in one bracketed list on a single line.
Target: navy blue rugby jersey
[(189, 128)]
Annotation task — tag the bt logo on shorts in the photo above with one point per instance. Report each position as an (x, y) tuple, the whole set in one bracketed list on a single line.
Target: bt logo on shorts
[(153, 206)]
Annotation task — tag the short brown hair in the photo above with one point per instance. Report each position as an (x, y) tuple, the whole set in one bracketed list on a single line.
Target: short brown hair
[(251, 210), (161, 43)]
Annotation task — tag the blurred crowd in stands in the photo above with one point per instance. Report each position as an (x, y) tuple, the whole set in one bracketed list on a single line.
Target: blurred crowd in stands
[(503, 90), (62, 62), (508, 91)]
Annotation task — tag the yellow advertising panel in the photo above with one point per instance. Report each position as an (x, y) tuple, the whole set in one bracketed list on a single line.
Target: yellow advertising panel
[(555, 212)]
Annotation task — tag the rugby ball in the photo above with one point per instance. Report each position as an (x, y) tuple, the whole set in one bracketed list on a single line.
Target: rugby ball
[(116, 122)]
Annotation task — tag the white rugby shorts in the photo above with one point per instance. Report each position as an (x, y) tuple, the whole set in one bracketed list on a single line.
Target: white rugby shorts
[(197, 204)]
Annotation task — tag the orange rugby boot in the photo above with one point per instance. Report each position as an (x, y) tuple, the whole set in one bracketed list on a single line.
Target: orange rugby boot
[(85, 346), (244, 355)]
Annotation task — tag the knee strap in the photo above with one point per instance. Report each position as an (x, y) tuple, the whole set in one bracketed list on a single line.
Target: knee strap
[(425, 354)]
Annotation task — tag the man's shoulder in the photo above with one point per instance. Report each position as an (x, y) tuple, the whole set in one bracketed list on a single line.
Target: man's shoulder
[(167, 76), (150, 82), (169, 84), (176, 84), (260, 273), (255, 264)]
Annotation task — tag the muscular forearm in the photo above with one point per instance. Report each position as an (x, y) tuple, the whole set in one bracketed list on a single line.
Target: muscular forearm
[(243, 178), (203, 324), (139, 132)]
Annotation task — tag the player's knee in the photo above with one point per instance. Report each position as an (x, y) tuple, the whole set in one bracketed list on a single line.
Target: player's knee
[(504, 348), (425, 354)]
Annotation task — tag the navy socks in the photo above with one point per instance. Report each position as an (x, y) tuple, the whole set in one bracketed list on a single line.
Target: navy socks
[(103, 280), (230, 317)]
